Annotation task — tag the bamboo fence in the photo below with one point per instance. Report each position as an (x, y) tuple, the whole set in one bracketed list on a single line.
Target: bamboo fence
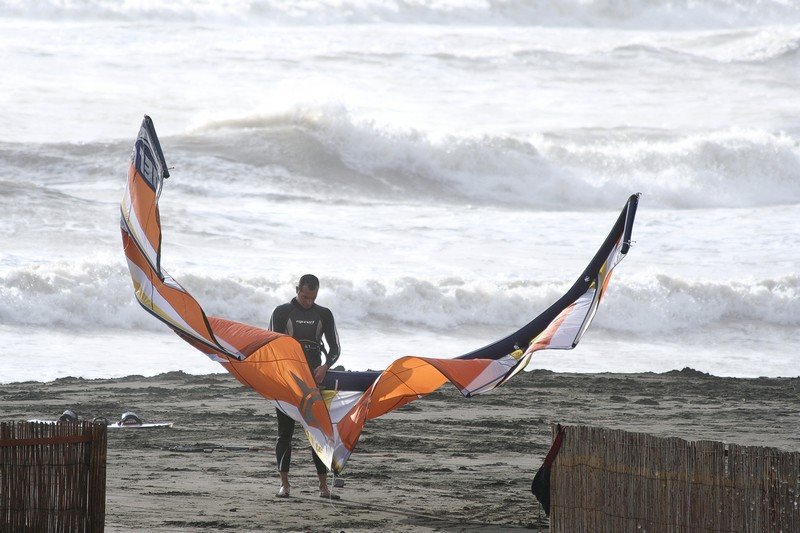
[(52, 476), (606, 480)]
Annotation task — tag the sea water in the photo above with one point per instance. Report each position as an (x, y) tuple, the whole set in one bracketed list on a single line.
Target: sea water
[(447, 168)]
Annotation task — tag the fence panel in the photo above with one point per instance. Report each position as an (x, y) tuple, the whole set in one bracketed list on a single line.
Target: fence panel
[(52, 476), (606, 480)]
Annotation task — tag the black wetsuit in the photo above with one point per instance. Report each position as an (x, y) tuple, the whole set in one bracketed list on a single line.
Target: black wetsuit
[(307, 326)]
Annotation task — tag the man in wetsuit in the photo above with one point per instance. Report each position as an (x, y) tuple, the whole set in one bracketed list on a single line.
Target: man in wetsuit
[(307, 322)]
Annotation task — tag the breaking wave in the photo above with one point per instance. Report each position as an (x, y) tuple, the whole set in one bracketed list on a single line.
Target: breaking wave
[(732, 168), (328, 154), (97, 297)]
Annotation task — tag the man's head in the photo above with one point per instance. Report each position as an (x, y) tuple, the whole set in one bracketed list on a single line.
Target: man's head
[(307, 289)]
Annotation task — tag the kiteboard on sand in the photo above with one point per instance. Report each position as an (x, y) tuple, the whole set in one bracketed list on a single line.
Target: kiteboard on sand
[(128, 420), (131, 420), (148, 425)]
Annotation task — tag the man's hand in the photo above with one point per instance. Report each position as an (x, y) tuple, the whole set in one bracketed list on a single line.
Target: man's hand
[(319, 373)]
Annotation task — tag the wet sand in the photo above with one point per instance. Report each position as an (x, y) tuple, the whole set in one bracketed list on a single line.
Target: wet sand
[(443, 463)]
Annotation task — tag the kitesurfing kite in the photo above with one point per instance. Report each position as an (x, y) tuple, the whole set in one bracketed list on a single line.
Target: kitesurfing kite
[(273, 364)]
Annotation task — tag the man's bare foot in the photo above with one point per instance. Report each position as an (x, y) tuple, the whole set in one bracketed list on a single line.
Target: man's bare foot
[(325, 493)]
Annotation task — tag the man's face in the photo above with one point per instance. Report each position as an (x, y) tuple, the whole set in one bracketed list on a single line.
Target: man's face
[(306, 296)]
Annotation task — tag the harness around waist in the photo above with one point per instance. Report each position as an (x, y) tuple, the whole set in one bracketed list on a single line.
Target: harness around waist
[(312, 351)]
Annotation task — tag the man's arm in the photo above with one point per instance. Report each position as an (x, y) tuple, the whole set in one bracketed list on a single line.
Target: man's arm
[(332, 338), (277, 321)]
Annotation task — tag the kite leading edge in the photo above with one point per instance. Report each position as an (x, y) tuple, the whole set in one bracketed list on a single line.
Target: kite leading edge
[(273, 364)]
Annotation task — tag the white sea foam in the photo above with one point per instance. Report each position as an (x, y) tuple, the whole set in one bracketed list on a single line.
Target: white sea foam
[(350, 158), (593, 13), (735, 167), (750, 45), (95, 297)]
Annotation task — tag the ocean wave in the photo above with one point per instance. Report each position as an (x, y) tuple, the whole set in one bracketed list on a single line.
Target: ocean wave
[(668, 304), (731, 168), (54, 163), (753, 46), (592, 13), (95, 297), (324, 153), (777, 44)]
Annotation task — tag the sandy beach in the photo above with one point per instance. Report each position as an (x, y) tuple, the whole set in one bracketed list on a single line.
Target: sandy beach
[(443, 463)]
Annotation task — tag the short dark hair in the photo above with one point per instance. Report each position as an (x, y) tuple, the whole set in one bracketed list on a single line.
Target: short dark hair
[(308, 280)]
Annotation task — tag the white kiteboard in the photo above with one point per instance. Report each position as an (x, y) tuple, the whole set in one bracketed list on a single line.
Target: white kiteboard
[(146, 425)]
